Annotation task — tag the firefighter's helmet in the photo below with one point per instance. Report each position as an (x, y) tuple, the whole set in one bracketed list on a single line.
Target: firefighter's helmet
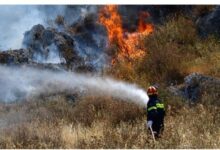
[(152, 90)]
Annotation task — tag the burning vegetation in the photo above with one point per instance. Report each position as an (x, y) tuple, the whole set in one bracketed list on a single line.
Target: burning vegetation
[(129, 46)]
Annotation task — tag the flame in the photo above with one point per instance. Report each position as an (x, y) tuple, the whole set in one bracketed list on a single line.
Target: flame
[(128, 43), (110, 18), (142, 26)]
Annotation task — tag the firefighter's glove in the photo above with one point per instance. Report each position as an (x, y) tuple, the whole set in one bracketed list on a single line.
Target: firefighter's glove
[(149, 123)]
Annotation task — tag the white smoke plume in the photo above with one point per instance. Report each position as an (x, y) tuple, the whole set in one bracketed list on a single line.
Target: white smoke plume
[(24, 82), (16, 19)]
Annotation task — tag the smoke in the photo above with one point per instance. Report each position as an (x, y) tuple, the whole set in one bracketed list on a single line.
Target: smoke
[(16, 19), (46, 31), (25, 82)]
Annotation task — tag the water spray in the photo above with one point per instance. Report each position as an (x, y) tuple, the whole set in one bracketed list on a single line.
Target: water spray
[(25, 82)]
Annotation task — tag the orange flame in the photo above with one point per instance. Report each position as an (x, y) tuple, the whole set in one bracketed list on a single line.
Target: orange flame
[(128, 43), (142, 26)]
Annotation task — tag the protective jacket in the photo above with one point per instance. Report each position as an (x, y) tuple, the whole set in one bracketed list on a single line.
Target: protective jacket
[(156, 113)]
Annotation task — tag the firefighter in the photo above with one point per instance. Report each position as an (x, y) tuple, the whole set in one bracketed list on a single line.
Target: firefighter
[(155, 112)]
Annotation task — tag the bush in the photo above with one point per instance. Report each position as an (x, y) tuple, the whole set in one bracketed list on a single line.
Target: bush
[(109, 110), (171, 51)]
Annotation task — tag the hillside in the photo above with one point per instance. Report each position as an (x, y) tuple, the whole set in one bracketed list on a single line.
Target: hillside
[(61, 60)]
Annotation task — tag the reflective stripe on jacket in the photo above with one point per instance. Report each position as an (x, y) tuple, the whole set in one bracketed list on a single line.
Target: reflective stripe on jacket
[(155, 109)]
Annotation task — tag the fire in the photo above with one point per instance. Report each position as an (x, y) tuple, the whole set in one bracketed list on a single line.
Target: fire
[(128, 43), (142, 26), (110, 18)]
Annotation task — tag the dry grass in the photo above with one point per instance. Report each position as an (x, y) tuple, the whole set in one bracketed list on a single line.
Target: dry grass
[(98, 125), (209, 64), (188, 127), (174, 50)]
